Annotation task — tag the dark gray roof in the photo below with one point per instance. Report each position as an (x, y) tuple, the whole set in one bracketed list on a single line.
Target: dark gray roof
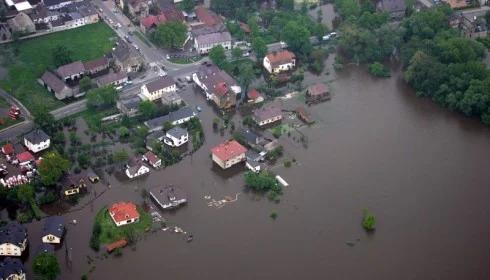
[(253, 155), (157, 135), (131, 103), (10, 266), (54, 225), (45, 248), (83, 8), (112, 77), (253, 163), (52, 81), (267, 112), (14, 233), (168, 196), (36, 136), (177, 132), (251, 137), (71, 69), (135, 164), (182, 113), (160, 83)]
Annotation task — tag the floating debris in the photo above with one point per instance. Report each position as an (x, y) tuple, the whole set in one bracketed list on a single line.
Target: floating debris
[(222, 202), (207, 197)]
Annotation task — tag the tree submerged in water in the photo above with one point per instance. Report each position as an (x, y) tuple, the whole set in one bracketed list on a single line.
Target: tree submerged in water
[(368, 221)]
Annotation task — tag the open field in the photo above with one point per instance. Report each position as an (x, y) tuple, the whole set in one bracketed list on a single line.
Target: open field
[(34, 56)]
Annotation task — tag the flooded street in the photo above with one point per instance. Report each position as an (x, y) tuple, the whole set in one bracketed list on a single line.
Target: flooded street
[(422, 170)]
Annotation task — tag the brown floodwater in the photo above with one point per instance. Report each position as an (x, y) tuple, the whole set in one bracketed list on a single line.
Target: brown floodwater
[(422, 170)]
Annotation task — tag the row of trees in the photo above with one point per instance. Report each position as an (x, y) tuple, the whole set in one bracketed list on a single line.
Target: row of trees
[(438, 62), (444, 66), (170, 35)]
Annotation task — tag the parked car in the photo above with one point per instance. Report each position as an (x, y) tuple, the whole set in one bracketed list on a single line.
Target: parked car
[(329, 36)]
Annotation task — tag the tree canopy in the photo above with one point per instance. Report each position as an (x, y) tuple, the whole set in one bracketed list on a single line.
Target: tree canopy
[(52, 167), (170, 35), (45, 266), (218, 56), (61, 56), (103, 97)]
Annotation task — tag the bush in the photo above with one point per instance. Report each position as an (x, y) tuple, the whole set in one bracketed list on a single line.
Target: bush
[(287, 163), (378, 70), (48, 198), (368, 221)]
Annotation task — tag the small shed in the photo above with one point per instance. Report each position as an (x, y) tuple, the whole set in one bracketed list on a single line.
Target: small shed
[(317, 93), (116, 245)]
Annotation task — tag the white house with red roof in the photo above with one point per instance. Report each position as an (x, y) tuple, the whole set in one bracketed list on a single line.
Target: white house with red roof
[(254, 96), (124, 213), (25, 158), (281, 61), (152, 159), (228, 154)]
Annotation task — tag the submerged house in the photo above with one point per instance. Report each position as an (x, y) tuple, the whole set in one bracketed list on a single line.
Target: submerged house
[(72, 184), (136, 167), (317, 93), (13, 239), (228, 154), (53, 230), (12, 269), (168, 197)]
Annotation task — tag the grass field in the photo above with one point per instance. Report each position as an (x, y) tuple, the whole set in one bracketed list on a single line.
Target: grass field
[(35, 56), (110, 233)]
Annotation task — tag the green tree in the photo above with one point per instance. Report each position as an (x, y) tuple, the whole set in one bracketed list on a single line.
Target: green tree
[(61, 56), (85, 84), (25, 193), (43, 118), (45, 266), (246, 76), (260, 47), (368, 221), (123, 132), (297, 37), (52, 167), (218, 56), (170, 35), (263, 181), (147, 109), (379, 70), (236, 53), (103, 97), (187, 5)]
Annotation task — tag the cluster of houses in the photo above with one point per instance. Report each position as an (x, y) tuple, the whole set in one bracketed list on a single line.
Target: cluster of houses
[(205, 28), (14, 244), (22, 159), (27, 17), (63, 82), (175, 137)]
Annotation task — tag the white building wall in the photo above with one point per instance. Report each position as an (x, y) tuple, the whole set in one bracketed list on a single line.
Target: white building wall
[(37, 147)]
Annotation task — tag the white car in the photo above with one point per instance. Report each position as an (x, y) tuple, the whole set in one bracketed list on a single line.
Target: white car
[(329, 36), (283, 44), (162, 74)]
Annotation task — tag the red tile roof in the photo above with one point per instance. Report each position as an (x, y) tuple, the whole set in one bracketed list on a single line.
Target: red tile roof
[(221, 89), (151, 157), (173, 14), (122, 211), (152, 20), (206, 16), (281, 57), (228, 150), (25, 157), (318, 89), (245, 27), (8, 149), (253, 94)]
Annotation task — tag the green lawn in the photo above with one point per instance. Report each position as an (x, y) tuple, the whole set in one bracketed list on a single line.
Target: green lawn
[(185, 60), (110, 233), (35, 56)]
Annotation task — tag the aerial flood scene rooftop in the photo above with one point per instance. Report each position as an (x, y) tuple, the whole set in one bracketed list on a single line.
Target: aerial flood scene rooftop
[(227, 139)]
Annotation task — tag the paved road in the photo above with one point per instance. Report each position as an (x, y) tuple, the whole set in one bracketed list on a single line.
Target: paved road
[(477, 12), (70, 109)]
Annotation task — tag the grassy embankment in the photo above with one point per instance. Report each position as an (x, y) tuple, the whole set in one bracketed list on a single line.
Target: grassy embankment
[(34, 56)]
